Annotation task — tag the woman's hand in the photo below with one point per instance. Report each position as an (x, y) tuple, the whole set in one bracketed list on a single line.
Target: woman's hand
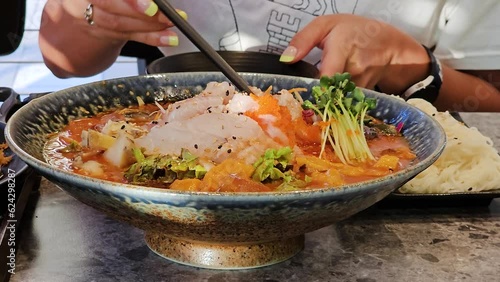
[(135, 20), (75, 45), (376, 53), (373, 52)]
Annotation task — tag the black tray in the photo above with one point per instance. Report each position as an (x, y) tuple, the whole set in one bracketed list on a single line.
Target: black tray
[(459, 199), (400, 200)]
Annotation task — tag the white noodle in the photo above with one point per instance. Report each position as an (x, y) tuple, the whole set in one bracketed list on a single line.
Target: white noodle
[(469, 162)]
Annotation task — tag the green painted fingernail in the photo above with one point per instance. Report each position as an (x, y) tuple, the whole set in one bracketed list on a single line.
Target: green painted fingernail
[(182, 14), (170, 40), (288, 55), (151, 10), (148, 7)]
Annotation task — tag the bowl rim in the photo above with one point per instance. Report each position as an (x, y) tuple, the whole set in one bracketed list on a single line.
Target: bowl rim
[(137, 190)]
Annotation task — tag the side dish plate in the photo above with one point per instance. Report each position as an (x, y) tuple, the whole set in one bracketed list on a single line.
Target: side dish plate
[(405, 200)]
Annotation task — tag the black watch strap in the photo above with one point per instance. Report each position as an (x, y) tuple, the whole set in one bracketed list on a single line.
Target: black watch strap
[(428, 88)]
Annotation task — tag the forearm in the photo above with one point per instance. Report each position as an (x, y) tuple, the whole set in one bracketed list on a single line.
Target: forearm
[(70, 46), (464, 92)]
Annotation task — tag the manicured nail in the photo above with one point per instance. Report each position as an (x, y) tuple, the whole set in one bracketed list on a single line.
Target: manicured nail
[(288, 55), (182, 14), (148, 7), (170, 40)]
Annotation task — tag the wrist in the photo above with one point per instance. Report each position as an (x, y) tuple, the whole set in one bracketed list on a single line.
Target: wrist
[(429, 87), (411, 65)]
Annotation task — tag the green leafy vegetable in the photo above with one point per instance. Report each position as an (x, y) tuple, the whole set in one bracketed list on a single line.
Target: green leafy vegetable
[(273, 164), (342, 106), (276, 165), (164, 168), (292, 183)]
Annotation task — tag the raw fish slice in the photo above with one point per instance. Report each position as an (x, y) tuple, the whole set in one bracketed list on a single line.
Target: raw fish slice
[(286, 99), (242, 103), (206, 136), (223, 90), (189, 108), (225, 126), (248, 150)]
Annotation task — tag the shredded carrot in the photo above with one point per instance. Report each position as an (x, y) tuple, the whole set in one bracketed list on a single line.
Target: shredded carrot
[(298, 89), (268, 90), (323, 124)]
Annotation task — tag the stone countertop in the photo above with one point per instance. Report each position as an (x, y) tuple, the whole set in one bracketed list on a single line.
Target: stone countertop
[(64, 240)]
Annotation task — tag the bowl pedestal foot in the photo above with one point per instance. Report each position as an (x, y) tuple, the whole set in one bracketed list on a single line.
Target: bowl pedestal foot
[(223, 255)]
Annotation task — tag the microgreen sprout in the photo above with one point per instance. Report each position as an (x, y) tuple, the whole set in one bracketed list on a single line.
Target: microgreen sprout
[(342, 107)]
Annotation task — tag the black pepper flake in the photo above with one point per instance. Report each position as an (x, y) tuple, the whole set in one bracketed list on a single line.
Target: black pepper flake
[(240, 114), (234, 137), (229, 151), (166, 122), (178, 107), (227, 92), (455, 138), (433, 114), (127, 122), (123, 126), (229, 83), (196, 146), (154, 122), (209, 110), (220, 146)]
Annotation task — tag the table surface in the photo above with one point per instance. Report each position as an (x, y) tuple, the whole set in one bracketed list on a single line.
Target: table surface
[(62, 239)]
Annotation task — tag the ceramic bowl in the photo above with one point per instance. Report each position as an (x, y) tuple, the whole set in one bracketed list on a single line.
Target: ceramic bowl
[(211, 230)]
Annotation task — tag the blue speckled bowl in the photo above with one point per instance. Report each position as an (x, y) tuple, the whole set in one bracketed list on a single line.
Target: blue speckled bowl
[(213, 230)]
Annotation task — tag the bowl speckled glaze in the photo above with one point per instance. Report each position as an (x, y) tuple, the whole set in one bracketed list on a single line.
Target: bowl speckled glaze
[(211, 230)]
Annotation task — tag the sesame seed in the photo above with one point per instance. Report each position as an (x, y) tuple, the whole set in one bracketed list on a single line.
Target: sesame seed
[(220, 146), (234, 137), (123, 127), (196, 146), (227, 92), (229, 151)]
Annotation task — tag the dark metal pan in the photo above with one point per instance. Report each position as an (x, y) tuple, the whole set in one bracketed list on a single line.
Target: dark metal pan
[(253, 62)]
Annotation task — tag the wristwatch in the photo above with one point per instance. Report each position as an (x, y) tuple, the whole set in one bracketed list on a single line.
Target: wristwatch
[(427, 89)]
